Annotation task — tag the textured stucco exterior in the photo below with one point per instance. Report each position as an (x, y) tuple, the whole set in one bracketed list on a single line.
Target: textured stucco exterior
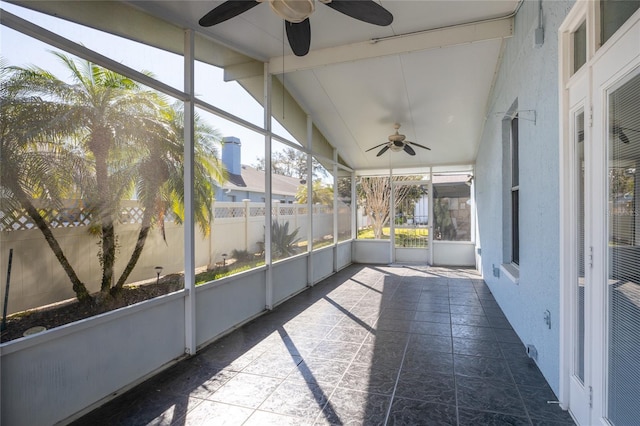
[(527, 77)]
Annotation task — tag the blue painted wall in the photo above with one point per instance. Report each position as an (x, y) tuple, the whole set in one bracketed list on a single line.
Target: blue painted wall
[(527, 75)]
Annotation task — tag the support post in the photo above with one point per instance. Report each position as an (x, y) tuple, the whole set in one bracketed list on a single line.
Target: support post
[(189, 234), (309, 203), (247, 216), (335, 210), (430, 219), (354, 207), (392, 218), (268, 217)]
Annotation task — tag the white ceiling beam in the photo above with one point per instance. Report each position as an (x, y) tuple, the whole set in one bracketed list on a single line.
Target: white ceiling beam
[(245, 70), (404, 43)]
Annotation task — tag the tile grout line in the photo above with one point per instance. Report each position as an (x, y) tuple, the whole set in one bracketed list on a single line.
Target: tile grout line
[(315, 419), (453, 359), (395, 385), (303, 360)]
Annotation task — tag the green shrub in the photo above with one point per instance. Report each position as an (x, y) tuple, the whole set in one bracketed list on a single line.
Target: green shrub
[(241, 255), (283, 243)]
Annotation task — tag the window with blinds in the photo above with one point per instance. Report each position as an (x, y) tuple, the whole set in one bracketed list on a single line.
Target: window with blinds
[(624, 253), (579, 285)]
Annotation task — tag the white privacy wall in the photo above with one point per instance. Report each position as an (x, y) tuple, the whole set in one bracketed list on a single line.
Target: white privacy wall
[(528, 75), (49, 376), (233, 229)]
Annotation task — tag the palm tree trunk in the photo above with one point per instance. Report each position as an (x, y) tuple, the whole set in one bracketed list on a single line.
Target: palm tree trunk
[(137, 251), (100, 145), (78, 286), (108, 252)]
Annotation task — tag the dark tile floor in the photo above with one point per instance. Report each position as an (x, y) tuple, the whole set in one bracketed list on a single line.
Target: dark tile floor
[(370, 345)]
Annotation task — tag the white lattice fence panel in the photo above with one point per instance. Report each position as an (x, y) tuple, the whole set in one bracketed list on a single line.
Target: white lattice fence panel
[(257, 211), (70, 218), (130, 215), (229, 212), (287, 210), (57, 218)]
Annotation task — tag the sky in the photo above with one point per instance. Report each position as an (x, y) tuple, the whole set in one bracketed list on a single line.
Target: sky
[(21, 50)]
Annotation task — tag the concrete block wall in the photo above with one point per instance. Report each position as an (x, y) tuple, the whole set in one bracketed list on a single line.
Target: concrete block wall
[(527, 75)]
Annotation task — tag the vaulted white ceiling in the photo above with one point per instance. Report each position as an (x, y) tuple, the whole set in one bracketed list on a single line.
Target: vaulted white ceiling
[(431, 70)]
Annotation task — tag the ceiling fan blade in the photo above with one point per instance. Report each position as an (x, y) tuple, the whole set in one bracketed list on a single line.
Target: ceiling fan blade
[(421, 146), (364, 10), (377, 146), (409, 150), (382, 151), (225, 11), (299, 36)]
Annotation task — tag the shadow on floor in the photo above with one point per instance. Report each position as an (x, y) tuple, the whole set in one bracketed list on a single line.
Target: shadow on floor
[(370, 345)]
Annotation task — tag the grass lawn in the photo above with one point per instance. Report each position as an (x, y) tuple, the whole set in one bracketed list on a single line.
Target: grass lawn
[(405, 237), (221, 272)]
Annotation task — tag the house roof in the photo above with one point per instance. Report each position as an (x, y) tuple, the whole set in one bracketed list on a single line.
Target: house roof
[(252, 180)]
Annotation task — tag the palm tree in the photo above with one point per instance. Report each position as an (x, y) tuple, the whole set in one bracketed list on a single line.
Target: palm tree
[(34, 163), (160, 180), (321, 194), (130, 141)]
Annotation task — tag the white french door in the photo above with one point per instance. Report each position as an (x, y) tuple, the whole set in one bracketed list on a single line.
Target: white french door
[(601, 221), (617, 105), (579, 258), (411, 234)]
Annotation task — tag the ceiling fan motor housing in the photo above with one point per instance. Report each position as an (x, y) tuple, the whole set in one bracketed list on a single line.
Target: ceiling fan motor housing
[(294, 11), (397, 145)]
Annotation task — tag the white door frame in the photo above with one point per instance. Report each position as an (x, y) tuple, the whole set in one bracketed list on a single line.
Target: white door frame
[(568, 395), (606, 67), (575, 96), (425, 255)]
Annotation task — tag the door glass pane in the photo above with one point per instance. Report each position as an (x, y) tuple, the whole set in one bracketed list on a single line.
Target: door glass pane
[(345, 206), (579, 47), (451, 208), (374, 197), (614, 13), (579, 336), (624, 254), (411, 220)]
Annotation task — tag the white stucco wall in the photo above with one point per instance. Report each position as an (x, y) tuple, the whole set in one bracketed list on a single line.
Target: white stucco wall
[(528, 75)]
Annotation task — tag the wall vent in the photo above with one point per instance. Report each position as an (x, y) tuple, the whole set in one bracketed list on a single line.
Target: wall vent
[(532, 352)]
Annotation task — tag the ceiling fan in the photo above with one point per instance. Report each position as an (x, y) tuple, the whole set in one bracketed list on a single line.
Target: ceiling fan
[(397, 143), (296, 16)]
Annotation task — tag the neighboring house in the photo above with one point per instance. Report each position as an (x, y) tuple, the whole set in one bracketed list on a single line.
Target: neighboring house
[(247, 183)]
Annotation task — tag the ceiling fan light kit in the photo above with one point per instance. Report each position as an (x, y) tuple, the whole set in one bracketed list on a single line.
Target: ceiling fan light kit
[(296, 15), (397, 143), (293, 11)]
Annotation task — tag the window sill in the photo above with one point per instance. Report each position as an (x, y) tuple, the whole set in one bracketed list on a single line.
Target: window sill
[(511, 271)]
